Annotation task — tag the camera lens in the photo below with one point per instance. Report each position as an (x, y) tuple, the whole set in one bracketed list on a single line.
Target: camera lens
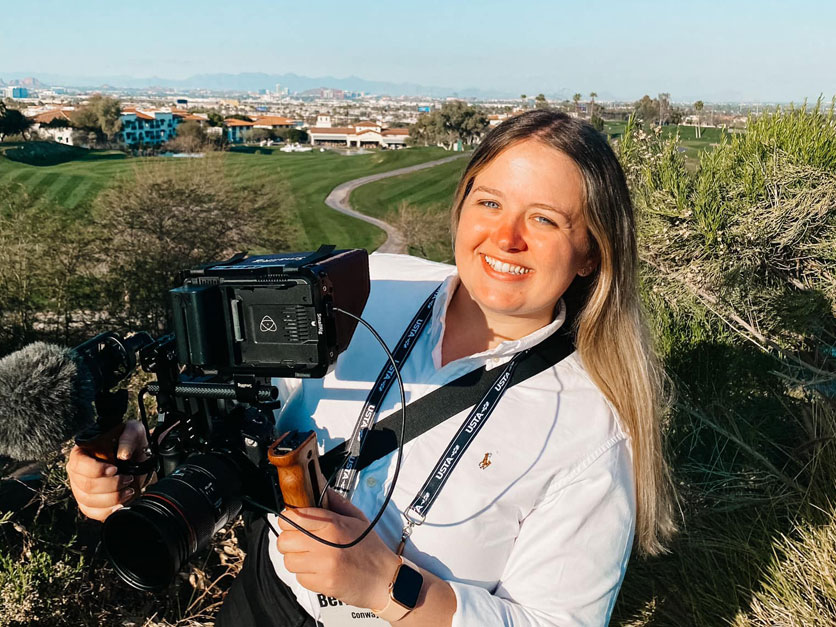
[(150, 539)]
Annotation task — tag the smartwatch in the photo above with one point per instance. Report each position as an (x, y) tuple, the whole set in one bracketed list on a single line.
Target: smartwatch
[(403, 592)]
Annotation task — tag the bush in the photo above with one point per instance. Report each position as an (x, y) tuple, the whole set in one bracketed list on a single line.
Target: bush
[(167, 217), (738, 279)]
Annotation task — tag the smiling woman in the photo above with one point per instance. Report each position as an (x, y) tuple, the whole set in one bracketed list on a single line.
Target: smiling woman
[(553, 170)]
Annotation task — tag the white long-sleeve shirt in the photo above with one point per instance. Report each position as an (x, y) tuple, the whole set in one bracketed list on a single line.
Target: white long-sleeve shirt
[(535, 525)]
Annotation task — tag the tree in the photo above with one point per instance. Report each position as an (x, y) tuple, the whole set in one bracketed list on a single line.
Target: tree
[(523, 99), (597, 123), (13, 122), (162, 219), (576, 99), (191, 137), (664, 108), (592, 97), (293, 135), (100, 115), (215, 118), (540, 102), (698, 107), (425, 231), (260, 135), (45, 256), (646, 109), (454, 121)]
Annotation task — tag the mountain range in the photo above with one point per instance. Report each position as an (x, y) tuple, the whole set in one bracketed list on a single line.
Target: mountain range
[(254, 81)]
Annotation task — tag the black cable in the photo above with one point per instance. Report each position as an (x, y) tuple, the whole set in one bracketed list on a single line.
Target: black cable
[(390, 491)]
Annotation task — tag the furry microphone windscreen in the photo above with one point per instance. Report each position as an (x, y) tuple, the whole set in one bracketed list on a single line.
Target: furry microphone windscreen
[(46, 397)]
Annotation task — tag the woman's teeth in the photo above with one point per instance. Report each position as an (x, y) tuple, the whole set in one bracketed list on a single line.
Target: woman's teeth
[(502, 266)]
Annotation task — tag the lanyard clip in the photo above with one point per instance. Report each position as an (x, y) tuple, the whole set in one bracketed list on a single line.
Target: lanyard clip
[(413, 519), (407, 531)]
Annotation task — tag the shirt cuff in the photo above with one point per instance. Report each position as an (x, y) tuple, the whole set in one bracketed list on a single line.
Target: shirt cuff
[(476, 607), (468, 604)]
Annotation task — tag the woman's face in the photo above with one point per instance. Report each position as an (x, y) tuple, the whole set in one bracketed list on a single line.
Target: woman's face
[(522, 237)]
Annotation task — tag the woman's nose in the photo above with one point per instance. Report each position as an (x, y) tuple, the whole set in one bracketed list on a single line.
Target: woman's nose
[(508, 235)]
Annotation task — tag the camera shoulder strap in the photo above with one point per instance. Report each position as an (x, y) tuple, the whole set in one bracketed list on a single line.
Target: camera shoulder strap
[(447, 401)]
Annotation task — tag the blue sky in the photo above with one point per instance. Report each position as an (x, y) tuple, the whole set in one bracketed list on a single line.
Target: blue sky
[(740, 50)]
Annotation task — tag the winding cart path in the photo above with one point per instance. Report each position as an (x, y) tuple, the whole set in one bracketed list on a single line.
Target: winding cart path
[(338, 201)]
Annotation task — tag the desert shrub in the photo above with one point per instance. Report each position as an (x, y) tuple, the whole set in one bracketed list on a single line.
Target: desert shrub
[(738, 280), (426, 232), (799, 585), (166, 217)]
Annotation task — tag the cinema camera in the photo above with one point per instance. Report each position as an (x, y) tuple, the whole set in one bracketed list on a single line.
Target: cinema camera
[(237, 324)]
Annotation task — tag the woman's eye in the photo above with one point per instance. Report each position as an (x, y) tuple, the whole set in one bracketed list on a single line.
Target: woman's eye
[(490, 204), (545, 220)]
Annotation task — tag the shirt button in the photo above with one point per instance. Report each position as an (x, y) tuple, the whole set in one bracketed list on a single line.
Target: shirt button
[(371, 482)]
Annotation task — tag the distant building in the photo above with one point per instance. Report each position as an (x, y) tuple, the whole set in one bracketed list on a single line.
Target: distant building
[(148, 126), (16, 92), (46, 126), (276, 122), (362, 134), (236, 129), (494, 120)]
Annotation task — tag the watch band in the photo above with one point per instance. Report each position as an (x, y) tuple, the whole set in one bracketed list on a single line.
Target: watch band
[(395, 610)]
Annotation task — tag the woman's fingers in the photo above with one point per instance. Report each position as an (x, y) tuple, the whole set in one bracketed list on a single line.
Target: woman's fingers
[(299, 563), (99, 514), (96, 487), (341, 505), (310, 518), (100, 485), (132, 441), (103, 500), (82, 464), (292, 541)]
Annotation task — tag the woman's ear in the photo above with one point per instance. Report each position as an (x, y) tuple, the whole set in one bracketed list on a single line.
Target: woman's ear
[(593, 260)]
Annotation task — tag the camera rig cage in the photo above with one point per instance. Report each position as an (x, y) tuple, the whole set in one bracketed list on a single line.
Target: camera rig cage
[(237, 324)]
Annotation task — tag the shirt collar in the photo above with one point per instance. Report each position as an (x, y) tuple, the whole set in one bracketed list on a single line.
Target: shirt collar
[(492, 356)]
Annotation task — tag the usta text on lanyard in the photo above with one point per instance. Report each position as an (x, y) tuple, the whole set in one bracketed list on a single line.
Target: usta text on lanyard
[(420, 506)]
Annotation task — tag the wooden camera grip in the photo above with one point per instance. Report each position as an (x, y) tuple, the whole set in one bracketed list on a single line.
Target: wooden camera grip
[(300, 477)]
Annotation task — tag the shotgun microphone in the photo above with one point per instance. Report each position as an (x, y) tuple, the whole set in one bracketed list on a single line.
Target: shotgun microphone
[(49, 393), (46, 396)]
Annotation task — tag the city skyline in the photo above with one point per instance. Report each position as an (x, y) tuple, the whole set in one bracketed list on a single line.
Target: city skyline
[(733, 51)]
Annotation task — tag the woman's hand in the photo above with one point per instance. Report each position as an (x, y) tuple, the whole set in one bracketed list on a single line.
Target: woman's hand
[(359, 576), (96, 487)]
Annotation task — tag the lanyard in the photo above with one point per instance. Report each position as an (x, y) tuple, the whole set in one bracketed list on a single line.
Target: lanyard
[(347, 474), (417, 511)]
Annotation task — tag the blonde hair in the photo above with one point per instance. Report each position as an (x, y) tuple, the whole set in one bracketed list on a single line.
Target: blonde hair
[(610, 333)]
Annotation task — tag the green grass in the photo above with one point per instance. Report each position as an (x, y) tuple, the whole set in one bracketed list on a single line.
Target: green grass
[(311, 176), (428, 188), (74, 184), (68, 184)]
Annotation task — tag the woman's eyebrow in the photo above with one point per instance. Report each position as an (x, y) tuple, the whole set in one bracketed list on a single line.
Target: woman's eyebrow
[(553, 209), (489, 190), (539, 205)]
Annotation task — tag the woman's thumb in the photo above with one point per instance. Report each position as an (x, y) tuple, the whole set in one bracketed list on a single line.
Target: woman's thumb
[(131, 439)]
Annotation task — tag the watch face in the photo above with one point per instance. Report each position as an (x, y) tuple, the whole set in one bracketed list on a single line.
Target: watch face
[(407, 586)]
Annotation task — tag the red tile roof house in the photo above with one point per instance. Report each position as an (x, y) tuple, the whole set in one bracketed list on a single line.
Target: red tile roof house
[(61, 134), (236, 129), (361, 134)]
